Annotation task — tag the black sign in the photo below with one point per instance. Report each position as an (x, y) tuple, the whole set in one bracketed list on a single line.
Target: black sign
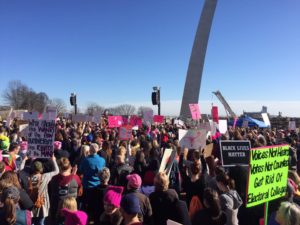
[(235, 152)]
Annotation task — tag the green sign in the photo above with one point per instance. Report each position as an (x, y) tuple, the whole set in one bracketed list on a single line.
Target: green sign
[(268, 174)]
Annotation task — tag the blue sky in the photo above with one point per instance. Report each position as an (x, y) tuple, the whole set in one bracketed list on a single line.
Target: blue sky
[(115, 51)]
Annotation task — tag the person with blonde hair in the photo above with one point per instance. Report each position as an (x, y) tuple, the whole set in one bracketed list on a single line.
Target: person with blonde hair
[(288, 214), (71, 215)]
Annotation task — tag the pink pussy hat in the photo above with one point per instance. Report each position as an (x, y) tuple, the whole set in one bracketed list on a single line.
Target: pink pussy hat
[(57, 145), (113, 195), (74, 217)]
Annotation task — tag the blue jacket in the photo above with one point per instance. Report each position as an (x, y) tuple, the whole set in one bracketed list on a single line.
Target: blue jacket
[(90, 167)]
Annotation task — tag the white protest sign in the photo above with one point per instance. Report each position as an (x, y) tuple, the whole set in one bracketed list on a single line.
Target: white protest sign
[(30, 115), (192, 139), (204, 126), (40, 138), (148, 116), (171, 222), (292, 125), (167, 161), (266, 119), (223, 126)]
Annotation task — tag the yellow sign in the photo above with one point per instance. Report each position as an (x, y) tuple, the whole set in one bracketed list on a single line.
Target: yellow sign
[(268, 174)]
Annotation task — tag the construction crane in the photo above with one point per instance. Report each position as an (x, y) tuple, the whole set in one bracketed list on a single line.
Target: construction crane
[(225, 104)]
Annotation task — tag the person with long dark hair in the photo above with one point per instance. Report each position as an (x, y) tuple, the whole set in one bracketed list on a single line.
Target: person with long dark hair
[(212, 213)]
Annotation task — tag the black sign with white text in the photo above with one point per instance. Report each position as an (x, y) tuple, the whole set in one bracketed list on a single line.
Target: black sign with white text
[(235, 152)]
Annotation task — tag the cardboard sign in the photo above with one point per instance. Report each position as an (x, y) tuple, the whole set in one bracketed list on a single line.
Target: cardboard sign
[(136, 121), (115, 121), (195, 111), (223, 126), (167, 161), (125, 132), (192, 139), (148, 116), (292, 125), (235, 152), (40, 138), (268, 174), (158, 119), (208, 150), (266, 119), (215, 114)]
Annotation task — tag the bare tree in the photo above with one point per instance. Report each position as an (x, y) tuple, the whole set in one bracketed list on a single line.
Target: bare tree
[(143, 109), (59, 104), (125, 109), (20, 96), (93, 109)]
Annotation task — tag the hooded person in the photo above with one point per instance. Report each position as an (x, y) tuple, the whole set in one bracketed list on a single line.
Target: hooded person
[(230, 199), (111, 201), (133, 186)]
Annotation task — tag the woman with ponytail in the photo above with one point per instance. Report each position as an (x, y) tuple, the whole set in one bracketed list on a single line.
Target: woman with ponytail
[(230, 200), (211, 214), (10, 213)]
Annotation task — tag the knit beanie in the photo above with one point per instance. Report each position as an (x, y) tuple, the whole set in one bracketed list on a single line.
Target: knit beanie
[(113, 195), (74, 217)]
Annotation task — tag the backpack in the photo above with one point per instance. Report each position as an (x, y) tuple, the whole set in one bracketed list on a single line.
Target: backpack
[(195, 206), (34, 193)]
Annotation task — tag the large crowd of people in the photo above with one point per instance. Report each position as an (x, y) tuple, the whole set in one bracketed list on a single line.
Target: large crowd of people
[(95, 178)]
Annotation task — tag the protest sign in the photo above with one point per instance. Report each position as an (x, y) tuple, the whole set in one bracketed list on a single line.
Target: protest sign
[(136, 121), (80, 118), (125, 132), (205, 126), (125, 120), (40, 138), (223, 126), (195, 111), (192, 139), (268, 174), (115, 121), (292, 125), (158, 119), (30, 115), (266, 119), (215, 114), (235, 121), (235, 152), (171, 222), (208, 150), (167, 161), (148, 116)]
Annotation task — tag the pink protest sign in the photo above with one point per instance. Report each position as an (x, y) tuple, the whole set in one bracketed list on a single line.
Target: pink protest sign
[(215, 114), (125, 120), (195, 111), (234, 123), (158, 119), (115, 121), (136, 121), (125, 132)]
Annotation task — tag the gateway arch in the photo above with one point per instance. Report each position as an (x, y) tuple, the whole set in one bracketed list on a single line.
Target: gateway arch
[(196, 64)]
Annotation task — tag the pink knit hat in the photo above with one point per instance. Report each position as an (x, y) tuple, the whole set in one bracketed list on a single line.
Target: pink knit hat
[(74, 217), (113, 195), (24, 146), (134, 181), (57, 145)]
